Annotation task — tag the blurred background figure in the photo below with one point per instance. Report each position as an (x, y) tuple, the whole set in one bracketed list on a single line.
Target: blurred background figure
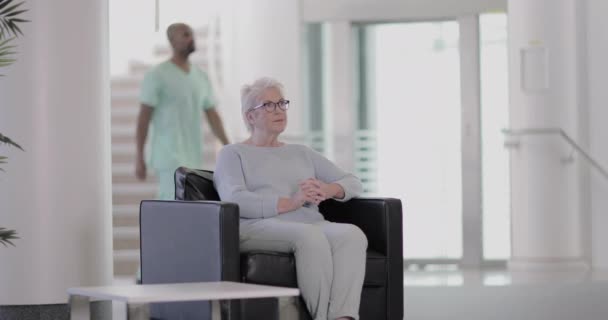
[(173, 96)]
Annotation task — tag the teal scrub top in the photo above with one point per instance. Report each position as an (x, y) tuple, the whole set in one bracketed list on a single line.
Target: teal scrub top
[(178, 99)]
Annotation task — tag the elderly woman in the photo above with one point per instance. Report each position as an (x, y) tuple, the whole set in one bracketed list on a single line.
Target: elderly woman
[(278, 187)]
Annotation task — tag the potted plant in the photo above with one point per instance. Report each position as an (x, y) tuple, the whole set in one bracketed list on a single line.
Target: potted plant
[(10, 18)]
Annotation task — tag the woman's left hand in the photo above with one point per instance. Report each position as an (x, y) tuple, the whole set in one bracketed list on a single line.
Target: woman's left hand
[(323, 190)]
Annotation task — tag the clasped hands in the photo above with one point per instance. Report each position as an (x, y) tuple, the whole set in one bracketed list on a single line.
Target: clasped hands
[(312, 191)]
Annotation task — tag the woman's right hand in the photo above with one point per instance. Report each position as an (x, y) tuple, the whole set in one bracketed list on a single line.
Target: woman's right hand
[(297, 200), (304, 195)]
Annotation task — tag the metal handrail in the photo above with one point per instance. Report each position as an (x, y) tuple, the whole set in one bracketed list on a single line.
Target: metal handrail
[(563, 134)]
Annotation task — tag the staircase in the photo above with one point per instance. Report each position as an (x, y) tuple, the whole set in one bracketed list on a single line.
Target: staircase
[(127, 191)]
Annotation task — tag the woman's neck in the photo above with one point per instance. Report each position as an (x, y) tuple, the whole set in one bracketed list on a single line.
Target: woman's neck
[(264, 140)]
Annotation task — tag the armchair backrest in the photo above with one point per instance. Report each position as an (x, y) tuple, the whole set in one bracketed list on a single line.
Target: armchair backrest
[(194, 184)]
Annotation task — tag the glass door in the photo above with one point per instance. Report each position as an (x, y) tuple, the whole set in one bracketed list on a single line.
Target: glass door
[(414, 77)]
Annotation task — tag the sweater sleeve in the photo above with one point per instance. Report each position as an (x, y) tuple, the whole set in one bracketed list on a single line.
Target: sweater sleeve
[(229, 181), (328, 172)]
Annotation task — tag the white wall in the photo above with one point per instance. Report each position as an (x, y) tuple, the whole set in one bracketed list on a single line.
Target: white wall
[(265, 41), (597, 52), (57, 194), (370, 10)]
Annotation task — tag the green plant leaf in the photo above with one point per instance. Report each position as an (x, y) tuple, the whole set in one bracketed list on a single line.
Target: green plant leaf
[(16, 13), (10, 16), (6, 53), (15, 27), (11, 9), (6, 236), (5, 42), (4, 50), (8, 141), (4, 28), (4, 3), (14, 20)]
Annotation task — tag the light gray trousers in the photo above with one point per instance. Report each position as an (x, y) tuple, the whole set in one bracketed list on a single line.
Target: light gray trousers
[(330, 261)]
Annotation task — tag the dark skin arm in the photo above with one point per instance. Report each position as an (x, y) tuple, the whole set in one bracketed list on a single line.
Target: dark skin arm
[(143, 123), (217, 127)]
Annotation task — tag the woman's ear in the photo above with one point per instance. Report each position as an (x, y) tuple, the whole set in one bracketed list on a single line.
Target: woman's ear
[(250, 118)]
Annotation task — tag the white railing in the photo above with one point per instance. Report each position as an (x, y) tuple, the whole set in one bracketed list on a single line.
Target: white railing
[(561, 133)]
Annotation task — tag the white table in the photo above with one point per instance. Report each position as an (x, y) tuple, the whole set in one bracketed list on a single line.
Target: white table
[(138, 296)]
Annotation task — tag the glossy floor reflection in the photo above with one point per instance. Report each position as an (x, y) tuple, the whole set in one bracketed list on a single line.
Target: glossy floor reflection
[(449, 293)]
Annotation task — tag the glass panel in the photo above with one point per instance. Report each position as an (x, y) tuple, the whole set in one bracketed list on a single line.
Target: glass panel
[(414, 79), (314, 82), (494, 117)]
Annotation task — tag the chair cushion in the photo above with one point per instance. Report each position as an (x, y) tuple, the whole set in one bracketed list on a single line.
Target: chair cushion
[(279, 269)]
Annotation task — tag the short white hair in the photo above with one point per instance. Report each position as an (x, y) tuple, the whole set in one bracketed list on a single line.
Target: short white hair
[(251, 94)]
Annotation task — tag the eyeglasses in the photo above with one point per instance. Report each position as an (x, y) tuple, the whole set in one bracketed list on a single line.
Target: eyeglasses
[(270, 106)]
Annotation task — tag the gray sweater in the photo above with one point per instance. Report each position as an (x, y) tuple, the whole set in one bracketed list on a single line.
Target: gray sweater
[(255, 178)]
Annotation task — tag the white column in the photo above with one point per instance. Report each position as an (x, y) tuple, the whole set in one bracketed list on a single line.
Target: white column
[(472, 253), (598, 113), (266, 41), (340, 112), (57, 194), (547, 215)]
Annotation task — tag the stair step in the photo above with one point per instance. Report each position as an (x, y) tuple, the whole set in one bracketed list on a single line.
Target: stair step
[(126, 232), (125, 221), (126, 262), (126, 82), (122, 148), (124, 139), (124, 134), (125, 112), (130, 178), (123, 130), (126, 168), (125, 210), (125, 216), (139, 68), (132, 199), (134, 189), (124, 158), (126, 244), (121, 120), (125, 102), (124, 94), (127, 255)]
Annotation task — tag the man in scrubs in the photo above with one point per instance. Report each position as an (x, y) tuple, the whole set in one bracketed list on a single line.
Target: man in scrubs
[(174, 95)]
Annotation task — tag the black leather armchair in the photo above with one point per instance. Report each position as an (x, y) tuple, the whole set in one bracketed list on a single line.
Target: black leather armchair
[(196, 239)]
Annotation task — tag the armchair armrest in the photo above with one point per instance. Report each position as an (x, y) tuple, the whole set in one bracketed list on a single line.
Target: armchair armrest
[(189, 241), (378, 218), (381, 221)]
